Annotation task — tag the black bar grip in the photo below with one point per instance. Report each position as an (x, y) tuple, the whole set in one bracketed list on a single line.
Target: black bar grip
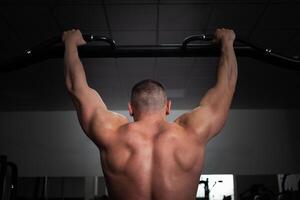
[(58, 40), (53, 48), (91, 38), (264, 54), (14, 180), (201, 37)]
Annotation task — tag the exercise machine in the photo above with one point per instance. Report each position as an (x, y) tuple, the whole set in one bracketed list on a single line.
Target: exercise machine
[(54, 48), (8, 179)]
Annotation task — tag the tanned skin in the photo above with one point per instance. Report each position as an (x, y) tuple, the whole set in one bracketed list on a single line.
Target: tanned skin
[(151, 158)]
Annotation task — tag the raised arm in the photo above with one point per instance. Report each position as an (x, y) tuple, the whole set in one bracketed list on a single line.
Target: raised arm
[(96, 120), (209, 117)]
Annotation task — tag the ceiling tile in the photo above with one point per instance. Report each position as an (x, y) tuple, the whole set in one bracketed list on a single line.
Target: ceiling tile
[(134, 37), (281, 16), (33, 24), (132, 17), (81, 16), (186, 79), (235, 16), (183, 17)]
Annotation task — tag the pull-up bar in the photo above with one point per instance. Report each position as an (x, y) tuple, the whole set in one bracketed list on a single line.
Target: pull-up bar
[(54, 48)]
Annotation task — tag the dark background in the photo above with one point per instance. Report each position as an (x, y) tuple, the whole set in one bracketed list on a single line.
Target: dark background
[(269, 24), (39, 130)]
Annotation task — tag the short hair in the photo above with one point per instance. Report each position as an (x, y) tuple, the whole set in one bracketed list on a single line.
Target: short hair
[(148, 95)]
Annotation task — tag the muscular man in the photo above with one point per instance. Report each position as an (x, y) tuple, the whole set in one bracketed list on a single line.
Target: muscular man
[(151, 158)]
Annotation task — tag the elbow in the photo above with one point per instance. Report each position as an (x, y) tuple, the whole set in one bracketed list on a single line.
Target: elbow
[(232, 83), (69, 85), (73, 90), (68, 81), (74, 86)]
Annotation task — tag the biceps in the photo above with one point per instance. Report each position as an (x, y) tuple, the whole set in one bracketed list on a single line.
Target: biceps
[(218, 121), (218, 99), (86, 101)]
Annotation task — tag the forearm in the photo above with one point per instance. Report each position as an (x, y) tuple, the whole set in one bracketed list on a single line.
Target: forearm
[(75, 77), (227, 69), (221, 94)]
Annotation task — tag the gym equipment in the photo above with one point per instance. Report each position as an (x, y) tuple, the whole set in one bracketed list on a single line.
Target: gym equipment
[(288, 194), (257, 192), (8, 179), (54, 48), (206, 190)]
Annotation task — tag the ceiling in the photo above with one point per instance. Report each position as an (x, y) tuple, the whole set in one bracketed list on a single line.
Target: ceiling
[(267, 23)]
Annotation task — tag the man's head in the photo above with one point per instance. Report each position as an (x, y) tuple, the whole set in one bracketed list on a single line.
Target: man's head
[(148, 96)]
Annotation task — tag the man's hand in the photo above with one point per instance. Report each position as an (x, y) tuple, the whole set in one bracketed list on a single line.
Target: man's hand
[(73, 37), (224, 36)]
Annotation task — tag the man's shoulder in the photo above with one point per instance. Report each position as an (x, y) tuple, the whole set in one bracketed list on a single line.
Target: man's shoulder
[(109, 119), (185, 134)]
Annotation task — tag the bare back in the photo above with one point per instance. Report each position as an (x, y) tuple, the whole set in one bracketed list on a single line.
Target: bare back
[(163, 161), (157, 160)]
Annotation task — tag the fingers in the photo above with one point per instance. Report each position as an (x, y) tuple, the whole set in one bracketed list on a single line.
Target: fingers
[(223, 30), (224, 35), (73, 36), (68, 32)]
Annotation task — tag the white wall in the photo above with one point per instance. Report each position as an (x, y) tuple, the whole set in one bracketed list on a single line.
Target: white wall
[(52, 143)]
